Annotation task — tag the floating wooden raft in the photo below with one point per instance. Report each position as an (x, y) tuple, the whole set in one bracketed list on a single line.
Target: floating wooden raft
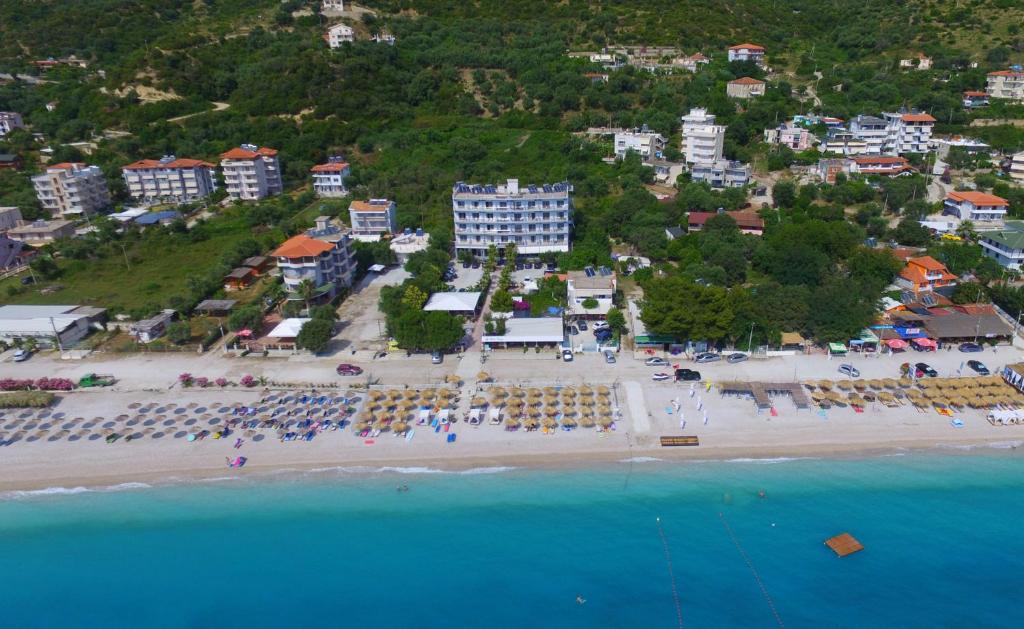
[(680, 441), (844, 544)]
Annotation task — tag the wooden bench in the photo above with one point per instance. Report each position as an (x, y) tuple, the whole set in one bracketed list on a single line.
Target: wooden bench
[(680, 441)]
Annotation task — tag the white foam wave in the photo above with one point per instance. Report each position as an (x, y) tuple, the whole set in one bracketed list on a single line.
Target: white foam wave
[(67, 491), (771, 460), (364, 469), (641, 459), (994, 445)]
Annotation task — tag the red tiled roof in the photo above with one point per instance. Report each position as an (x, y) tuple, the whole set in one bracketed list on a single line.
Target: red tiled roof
[(1005, 73), (903, 253), (241, 153), (144, 164), (973, 93), (333, 167), (746, 46), (366, 206), (977, 198), (917, 118), (744, 220), (881, 159), (746, 81), (927, 262), (67, 165), (302, 246)]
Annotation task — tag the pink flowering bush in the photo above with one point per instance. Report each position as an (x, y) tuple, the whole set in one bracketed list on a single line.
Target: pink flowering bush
[(221, 382), (202, 382), (247, 381), (185, 379), (54, 384), (10, 384)]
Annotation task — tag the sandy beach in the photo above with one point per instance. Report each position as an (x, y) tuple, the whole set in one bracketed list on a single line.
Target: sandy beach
[(734, 430)]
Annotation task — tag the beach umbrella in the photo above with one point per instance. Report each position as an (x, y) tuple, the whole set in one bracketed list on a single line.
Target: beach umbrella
[(818, 396), (63, 434), (604, 400), (394, 394), (603, 390), (845, 385), (361, 426), (381, 424), (568, 392), (444, 393), (605, 422), (411, 394), (587, 412), (825, 385), (428, 394), (400, 428), (550, 391), (548, 422), (532, 392), (375, 394), (550, 400), (511, 422), (568, 421), (483, 376), (585, 390), (516, 403), (517, 392), (604, 410), (551, 411), (588, 401), (905, 383), (531, 424), (860, 384), (875, 383), (890, 383), (535, 412), (453, 379), (478, 401), (499, 391), (587, 421), (134, 405)]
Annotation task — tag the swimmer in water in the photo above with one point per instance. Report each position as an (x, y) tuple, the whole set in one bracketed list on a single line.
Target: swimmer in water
[(761, 494), (580, 600)]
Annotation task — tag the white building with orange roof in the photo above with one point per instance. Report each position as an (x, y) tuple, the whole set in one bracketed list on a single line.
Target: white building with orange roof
[(884, 165), (974, 206), (1006, 84), (372, 219), (329, 178), (925, 273), (72, 190), (745, 87), (169, 179), (907, 132), (747, 52), (251, 172), (323, 256)]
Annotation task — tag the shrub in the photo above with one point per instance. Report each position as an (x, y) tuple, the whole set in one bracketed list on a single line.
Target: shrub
[(185, 379), (247, 381), (221, 382), (202, 382)]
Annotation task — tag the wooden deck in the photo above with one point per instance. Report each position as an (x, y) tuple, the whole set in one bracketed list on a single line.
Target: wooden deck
[(844, 544), (680, 441), (762, 392)]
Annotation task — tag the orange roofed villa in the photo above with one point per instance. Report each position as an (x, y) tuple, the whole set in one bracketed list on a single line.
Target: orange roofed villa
[(323, 255), (925, 274)]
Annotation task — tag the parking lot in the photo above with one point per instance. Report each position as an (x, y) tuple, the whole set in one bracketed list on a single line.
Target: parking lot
[(361, 320), (466, 277)]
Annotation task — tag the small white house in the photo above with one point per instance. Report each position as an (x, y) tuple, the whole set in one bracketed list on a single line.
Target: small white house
[(339, 34)]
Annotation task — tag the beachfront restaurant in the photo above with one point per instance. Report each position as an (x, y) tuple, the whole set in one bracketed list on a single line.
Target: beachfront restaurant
[(866, 343), (528, 332), (466, 304)]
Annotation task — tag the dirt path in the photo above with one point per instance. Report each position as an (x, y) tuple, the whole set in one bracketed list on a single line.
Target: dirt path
[(216, 107)]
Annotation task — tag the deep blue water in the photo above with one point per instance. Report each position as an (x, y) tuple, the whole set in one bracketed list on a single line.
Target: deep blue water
[(944, 538)]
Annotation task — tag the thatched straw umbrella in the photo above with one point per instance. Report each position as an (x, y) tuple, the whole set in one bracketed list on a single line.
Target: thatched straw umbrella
[(548, 422), (550, 400), (860, 384), (585, 390), (83, 432), (604, 410), (511, 422), (818, 396), (550, 391), (587, 411), (603, 390), (534, 401), (381, 424), (875, 383), (483, 376), (569, 421), (517, 392), (905, 383), (533, 391), (845, 385), (478, 401), (551, 411), (531, 424), (375, 394), (569, 392), (890, 383), (63, 434), (516, 403), (411, 394), (499, 391), (605, 422), (588, 401), (394, 394), (428, 394), (825, 385), (535, 412), (400, 428), (587, 422)]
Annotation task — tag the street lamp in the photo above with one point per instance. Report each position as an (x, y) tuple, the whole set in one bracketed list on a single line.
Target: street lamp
[(750, 339)]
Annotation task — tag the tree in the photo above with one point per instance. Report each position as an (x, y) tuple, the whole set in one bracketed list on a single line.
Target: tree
[(969, 293), (307, 291), (840, 311), (911, 233), (501, 301), (179, 332), (414, 298), (686, 310), (444, 330), (326, 312), (616, 320), (45, 267), (315, 335), (247, 317), (784, 194), (589, 303)]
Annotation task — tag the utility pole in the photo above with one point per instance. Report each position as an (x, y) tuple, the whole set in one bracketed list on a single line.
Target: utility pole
[(125, 252), (56, 337), (750, 339)]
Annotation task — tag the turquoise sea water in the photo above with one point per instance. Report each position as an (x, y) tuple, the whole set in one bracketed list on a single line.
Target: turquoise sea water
[(944, 537)]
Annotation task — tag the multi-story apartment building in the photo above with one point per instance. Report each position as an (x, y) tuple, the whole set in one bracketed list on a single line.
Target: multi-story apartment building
[(329, 178), (72, 190), (1005, 245), (251, 172), (703, 140), (339, 34), (745, 87), (1017, 168), (884, 165), (644, 142), (169, 180), (977, 207), (907, 133), (747, 52), (975, 98), (1007, 84), (323, 255), (843, 142), (721, 174), (372, 219), (791, 135), (872, 130), (536, 219), (10, 121)]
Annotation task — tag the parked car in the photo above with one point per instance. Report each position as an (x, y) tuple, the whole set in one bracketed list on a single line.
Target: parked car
[(683, 375), (849, 370), (465, 265), (655, 361), (707, 357), (924, 369), (567, 355), (345, 369), (519, 266), (437, 357), (609, 358), (572, 330), (736, 357), (599, 325), (475, 265), (22, 355), (978, 367), (25, 281), (661, 376), (970, 348), (581, 324), (603, 335)]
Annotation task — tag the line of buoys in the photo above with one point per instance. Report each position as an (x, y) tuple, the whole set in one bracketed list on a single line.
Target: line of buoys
[(671, 573), (750, 564)]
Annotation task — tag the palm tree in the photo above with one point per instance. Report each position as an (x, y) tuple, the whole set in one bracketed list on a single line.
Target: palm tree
[(966, 230), (307, 291)]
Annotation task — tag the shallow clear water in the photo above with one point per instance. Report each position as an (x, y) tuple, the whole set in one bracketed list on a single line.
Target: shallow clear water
[(943, 537)]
